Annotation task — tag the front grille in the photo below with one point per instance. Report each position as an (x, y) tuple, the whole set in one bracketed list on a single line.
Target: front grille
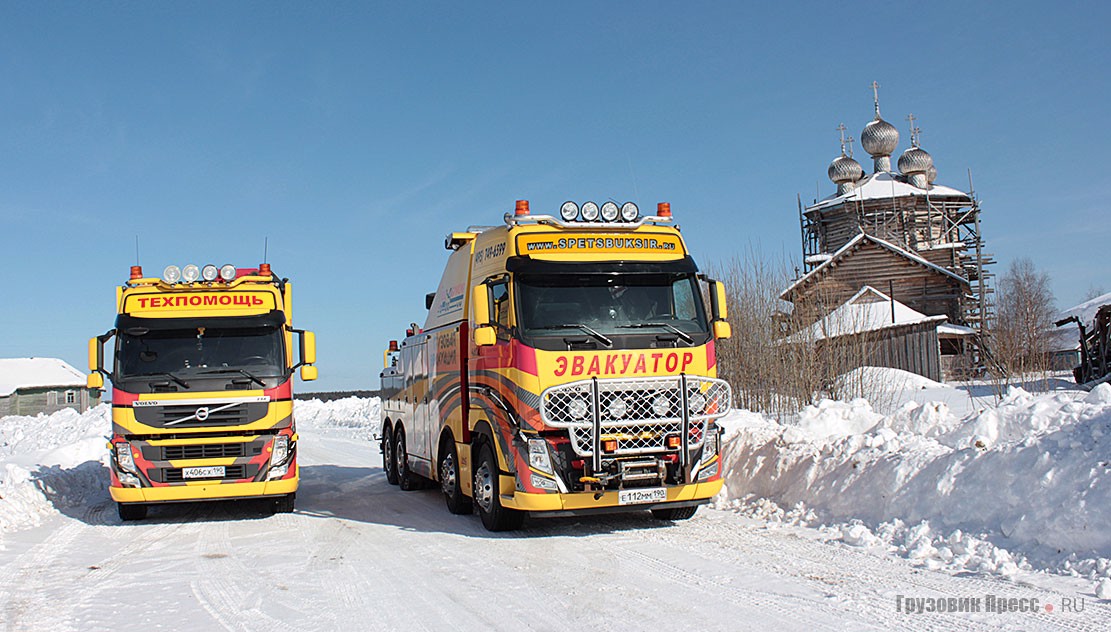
[(216, 414), (639, 414), (231, 472), (209, 451)]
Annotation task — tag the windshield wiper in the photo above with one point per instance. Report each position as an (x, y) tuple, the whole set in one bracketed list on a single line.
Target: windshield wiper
[(173, 377), (601, 338), (672, 328), (239, 371)]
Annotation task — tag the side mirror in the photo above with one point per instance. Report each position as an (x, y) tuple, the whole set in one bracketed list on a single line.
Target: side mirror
[(95, 380), (485, 336), (480, 300), (722, 312), (95, 362), (308, 348), (308, 373), (722, 330)]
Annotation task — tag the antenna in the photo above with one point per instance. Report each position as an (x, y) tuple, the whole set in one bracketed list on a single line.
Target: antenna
[(915, 132), (876, 97), (137, 250), (265, 249)]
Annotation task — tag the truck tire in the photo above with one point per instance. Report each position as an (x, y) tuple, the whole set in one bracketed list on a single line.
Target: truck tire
[(285, 503), (131, 511), (406, 479), (448, 469), (487, 494), (389, 464), (674, 513)]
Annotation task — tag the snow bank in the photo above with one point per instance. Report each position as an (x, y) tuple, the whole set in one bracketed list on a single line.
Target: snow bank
[(1027, 482), (52, 463)]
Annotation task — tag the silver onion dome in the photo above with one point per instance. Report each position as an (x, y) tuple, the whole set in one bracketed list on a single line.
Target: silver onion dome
[(879, 138), (915, 160), (844, 169)]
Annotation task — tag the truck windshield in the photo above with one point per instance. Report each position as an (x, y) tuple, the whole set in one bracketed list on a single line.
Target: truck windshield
[(611, 304), (198, 351)]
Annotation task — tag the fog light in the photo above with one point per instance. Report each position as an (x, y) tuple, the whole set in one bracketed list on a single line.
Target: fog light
[(577, 408), (569, 211), (190, 273), (696, 402), (618, 408), (128, 480), (227, 272), (629, 211), (540, 482), (278, 472), (609, 212), (209, 272), (172, 274), (661, 405), (708, 472), (590, 212)]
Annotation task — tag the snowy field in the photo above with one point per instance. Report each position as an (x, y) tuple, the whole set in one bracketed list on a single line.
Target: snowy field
[(848, 516)]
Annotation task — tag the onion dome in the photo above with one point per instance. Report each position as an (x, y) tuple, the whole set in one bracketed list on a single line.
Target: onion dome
[(915, 160), (879, 138), (844, 169)]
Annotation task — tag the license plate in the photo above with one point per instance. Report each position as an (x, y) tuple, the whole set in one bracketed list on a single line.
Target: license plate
[(216, 471), (638, 496)]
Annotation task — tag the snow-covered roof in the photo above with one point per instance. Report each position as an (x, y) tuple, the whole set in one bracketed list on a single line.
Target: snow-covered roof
[(955, 330), (1086, 311), (17, 373), (876, 240), (885, 185), (868, 310)]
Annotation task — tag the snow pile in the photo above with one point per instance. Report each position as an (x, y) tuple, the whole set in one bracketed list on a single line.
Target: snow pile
[(53, 463), (349, 412), (1026, 482)]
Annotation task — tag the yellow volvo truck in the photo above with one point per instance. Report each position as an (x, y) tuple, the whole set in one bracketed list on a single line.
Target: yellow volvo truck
[(202, 401), (566, 366)]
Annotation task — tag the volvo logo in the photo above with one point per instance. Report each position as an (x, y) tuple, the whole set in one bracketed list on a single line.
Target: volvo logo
[(202, 413)]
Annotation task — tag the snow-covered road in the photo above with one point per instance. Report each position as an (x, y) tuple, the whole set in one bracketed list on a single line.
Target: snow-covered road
[(359, 554)]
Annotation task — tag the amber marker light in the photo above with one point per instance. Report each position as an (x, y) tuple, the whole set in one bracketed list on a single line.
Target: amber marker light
[(663, 209), (264, 269), (522, 208), (136, 272), (609, 445)]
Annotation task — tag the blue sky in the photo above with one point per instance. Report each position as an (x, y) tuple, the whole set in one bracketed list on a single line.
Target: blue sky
[(354, 136)]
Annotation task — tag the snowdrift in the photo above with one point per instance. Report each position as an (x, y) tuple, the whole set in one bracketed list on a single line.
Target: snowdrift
[(1026, 483), (51, 463)]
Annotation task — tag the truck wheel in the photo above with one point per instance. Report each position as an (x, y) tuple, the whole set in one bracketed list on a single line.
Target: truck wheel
[(285, 504), (487, 495), (131, 511), (406, 480), (674, 513), (457, 503), (389, 464)]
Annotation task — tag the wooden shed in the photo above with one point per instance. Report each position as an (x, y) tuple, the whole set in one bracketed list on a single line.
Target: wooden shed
[(29, 386)]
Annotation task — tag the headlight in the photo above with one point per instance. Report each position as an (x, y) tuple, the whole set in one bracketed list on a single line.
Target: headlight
[(710, 445), (209, 272), (629, 211), (172, 274), (609, 212), (124, 457), (696, 402), (618, 408), (227, 272), (538, 455), (590, 212), (577, 408), (569, 211), (661, 405), (281, 449), (190, 273)]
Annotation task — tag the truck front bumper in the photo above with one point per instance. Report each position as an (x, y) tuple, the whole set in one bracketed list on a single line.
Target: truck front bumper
[(554, 504), (203, 491)]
